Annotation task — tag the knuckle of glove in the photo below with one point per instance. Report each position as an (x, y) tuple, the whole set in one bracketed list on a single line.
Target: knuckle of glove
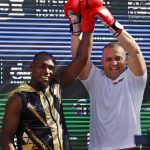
[(103, 14)]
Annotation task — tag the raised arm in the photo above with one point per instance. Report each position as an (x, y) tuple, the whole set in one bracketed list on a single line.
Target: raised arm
[(87, 26), (79, 61), (10, 122), (87, 68), (135, 59), (82, 49)]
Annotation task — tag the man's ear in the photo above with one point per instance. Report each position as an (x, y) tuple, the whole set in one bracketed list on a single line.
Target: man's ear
[(126, 60)]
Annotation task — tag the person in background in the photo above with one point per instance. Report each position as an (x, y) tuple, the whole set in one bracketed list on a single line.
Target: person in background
[(116, 91), (34, 113)]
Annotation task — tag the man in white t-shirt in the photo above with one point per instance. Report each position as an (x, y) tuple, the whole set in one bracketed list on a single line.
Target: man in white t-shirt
[(116, 92)]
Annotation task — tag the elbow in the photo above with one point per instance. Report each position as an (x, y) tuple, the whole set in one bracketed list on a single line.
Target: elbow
[(134, 48)]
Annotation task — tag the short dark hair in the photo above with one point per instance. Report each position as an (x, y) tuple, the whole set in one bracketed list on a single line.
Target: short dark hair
[(43, 53), (112, 44)]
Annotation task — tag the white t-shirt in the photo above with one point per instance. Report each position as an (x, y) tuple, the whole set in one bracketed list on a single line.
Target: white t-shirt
[(115, 109)]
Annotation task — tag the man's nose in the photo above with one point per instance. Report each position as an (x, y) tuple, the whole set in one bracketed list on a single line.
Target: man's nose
[(48, 71), (114, 62)]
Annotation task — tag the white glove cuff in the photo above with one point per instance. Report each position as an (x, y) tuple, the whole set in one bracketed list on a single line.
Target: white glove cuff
[(116, 28)]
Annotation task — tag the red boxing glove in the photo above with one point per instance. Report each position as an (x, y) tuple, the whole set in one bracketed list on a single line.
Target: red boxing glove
[(84, 7), (107, 19), (95, 3), (86, 24), (72, 12)]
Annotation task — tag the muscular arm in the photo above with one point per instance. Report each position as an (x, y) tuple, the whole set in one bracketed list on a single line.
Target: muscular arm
[(10, 122), (87, 68), (135, 60), (79, 61), (81, 48)]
